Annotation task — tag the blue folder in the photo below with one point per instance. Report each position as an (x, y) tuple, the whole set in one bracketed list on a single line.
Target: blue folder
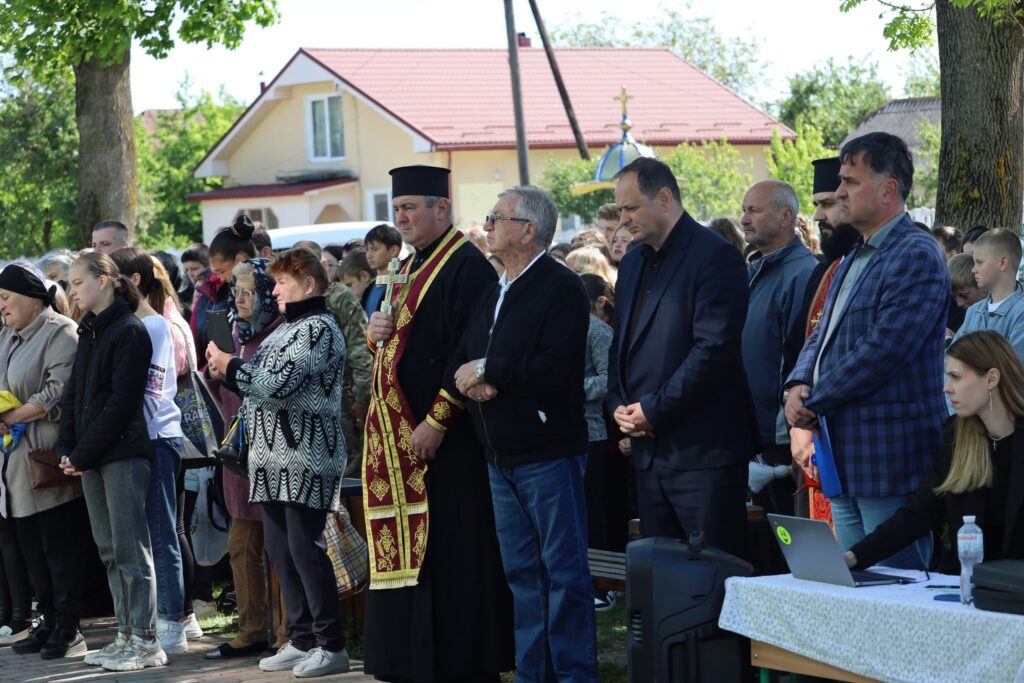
[(831, 485)]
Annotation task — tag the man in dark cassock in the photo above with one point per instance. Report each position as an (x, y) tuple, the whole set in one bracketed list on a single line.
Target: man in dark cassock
[(837, 239), (438, 608)]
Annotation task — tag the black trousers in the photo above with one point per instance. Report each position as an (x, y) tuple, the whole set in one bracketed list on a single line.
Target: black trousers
[(675, 502), (55, 543), (15, 589), (779, 496), (293, 537)]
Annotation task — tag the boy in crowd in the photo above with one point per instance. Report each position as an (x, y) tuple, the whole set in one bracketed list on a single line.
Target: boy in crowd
[(383, 243), (355, 272), (997, 255), (965, 290)]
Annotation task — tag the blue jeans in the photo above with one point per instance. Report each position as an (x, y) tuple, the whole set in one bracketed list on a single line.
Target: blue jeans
[(162, 519), (114, 497), (856, 517), (541, 518)]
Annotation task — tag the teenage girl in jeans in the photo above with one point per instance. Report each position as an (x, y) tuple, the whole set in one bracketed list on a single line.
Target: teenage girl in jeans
[(103, 438)]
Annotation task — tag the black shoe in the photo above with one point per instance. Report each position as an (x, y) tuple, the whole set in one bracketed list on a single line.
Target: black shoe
[(225, 651), (37, 637), (65, 641)]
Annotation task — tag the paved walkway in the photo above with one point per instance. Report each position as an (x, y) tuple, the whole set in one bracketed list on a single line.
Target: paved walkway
[(190, 667)]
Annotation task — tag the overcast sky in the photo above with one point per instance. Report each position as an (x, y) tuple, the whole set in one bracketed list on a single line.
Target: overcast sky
[(794, 35)]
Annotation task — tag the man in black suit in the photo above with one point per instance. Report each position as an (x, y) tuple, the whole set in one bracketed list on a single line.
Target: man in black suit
[(676, 383)]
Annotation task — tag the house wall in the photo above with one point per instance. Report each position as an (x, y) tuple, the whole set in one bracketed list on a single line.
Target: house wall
[(373, 145)]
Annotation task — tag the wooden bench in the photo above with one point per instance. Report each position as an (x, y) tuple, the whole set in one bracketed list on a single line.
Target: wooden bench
[(608, 569)]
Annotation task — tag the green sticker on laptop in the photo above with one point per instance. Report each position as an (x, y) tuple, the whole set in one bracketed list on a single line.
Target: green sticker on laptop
[(783, 535)]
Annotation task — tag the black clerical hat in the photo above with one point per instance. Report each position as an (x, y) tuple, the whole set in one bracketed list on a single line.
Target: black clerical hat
[(424, 181), (826, 175)]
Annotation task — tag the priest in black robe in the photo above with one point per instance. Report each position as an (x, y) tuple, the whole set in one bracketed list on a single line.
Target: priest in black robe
[(439, 608)]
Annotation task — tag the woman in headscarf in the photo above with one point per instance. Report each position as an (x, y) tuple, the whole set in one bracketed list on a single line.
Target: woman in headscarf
[(253, 311), (37, 350)]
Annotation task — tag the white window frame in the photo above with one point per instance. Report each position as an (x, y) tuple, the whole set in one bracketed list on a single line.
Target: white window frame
[(371, 205), (310, 99)]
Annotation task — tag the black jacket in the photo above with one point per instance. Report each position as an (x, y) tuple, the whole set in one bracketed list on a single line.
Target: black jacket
[(682, 362), (535, 355), (926, 510), (101, 418)]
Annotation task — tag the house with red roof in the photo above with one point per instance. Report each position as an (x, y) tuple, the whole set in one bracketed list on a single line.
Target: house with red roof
[(317, 144)]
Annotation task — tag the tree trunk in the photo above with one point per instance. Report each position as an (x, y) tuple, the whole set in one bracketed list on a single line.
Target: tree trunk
[(981, 163), (106, 145)]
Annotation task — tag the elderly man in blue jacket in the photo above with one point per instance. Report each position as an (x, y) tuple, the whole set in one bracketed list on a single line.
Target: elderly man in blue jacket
[(872, 371), (778, 280)]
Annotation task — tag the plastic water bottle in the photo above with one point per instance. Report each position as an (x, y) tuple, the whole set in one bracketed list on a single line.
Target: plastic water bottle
[(970, 546)]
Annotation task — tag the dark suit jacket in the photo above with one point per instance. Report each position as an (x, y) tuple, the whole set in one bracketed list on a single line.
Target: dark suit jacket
[(682, 363)]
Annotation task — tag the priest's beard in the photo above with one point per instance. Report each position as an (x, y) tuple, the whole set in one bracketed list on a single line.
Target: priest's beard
[(837, 241)]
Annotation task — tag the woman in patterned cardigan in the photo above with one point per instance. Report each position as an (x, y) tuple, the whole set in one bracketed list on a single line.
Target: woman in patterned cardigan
[(291, 390)]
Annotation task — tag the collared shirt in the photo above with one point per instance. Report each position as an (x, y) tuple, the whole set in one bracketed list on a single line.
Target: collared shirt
[(864, 253), (654, 259), (504, 284)]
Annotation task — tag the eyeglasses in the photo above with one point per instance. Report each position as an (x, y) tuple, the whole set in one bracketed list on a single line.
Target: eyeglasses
[(245, 294), (494, 218)]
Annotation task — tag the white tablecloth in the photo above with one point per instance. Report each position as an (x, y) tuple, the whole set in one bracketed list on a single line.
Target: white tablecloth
[(890, 633)]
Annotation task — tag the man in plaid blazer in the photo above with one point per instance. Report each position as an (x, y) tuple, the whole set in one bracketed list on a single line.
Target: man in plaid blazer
[(873, 368)]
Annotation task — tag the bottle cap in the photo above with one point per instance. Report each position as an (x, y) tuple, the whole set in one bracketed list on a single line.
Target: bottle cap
[(968, 519)]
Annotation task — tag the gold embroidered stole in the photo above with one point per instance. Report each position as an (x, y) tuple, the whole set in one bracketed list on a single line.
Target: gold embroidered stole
[(394, 487)]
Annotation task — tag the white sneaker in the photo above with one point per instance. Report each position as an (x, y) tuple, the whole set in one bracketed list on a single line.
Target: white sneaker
[(321, 662), (9, 637), (204, 610), (192, 629), (171, 635), (112, 651), (286, 659), (137, 656)]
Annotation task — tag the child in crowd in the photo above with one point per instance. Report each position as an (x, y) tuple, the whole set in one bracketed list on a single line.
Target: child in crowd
[(965, 291), (383, 243), (355, 272), (997, 255)]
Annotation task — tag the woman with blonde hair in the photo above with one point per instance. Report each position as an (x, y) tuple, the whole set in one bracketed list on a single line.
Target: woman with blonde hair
[(978, 472), (590, 260)]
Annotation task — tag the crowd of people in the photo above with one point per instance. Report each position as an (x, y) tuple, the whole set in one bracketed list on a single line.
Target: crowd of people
[(508, 403)]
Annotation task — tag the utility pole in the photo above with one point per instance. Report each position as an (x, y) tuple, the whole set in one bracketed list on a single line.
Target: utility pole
[(581, 144), (517, 94)]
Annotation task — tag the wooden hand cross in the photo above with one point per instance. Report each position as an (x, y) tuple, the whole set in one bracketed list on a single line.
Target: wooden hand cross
[(391, 279)]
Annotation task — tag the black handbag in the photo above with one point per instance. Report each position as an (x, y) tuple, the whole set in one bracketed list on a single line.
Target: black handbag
[(234, 451), (999, 586), (201, 419)]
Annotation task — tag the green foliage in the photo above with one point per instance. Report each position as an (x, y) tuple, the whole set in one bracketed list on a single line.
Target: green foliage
[(906, 26), (38, 163), (833, 98), (736, 63), (561, 174), (790, 161), (926, 166), (922, 74), (63, 33), (167, 158), (712, 178)]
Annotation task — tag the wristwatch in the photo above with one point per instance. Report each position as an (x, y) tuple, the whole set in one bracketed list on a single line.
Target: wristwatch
[(480, 368)]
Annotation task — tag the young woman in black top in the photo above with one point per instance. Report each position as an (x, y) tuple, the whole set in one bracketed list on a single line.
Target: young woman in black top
[(103, 438), (980, 470)]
